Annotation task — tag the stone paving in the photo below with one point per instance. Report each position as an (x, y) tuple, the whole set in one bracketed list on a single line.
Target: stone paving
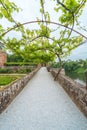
[(42, 105)]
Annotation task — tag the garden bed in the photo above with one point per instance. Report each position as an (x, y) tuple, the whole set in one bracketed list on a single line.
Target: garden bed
[(8, 79)]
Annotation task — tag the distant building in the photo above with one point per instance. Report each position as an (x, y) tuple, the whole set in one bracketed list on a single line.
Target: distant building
[(3, 58)]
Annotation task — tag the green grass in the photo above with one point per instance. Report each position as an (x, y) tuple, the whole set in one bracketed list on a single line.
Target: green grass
[(6, 79)]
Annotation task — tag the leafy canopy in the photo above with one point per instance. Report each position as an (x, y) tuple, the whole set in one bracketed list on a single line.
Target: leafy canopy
[(40, 45)]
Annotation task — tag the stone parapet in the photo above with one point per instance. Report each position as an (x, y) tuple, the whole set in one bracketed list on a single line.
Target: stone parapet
[(76, 91), (12, 90)]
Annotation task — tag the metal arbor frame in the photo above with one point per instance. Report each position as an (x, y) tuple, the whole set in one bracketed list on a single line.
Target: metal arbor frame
[(39, 21)]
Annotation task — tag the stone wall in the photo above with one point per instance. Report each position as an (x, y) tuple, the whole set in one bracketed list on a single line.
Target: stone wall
[(11, 91), (75, 90)]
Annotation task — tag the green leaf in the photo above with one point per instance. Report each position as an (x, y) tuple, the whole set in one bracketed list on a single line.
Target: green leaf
[(1, 15)]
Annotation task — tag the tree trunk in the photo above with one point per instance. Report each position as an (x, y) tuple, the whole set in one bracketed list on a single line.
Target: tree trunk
[(60, 67), (59, 70)]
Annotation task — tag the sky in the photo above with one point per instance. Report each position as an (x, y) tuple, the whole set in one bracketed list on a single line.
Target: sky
[(30, 11), (78, 53)]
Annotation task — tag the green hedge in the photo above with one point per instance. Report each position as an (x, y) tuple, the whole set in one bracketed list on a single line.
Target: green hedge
[(19, 64), (19, 71), (5, 70)]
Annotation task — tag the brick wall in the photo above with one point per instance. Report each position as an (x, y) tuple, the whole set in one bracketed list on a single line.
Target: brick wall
[(3, 58)]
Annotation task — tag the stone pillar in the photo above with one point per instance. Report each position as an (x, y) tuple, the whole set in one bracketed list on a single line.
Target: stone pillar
[(39, 65)]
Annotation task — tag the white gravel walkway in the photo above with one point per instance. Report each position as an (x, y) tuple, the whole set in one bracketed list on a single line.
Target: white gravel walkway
[(42, 105)]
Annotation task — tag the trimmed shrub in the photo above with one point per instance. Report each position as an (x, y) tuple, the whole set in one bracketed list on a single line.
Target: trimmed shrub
[(19, 64), (20, 70)]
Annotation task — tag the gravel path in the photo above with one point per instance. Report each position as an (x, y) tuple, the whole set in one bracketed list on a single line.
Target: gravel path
[(42, 105)]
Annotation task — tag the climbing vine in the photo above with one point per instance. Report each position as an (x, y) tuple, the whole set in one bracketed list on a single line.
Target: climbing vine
[(40, 45)]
